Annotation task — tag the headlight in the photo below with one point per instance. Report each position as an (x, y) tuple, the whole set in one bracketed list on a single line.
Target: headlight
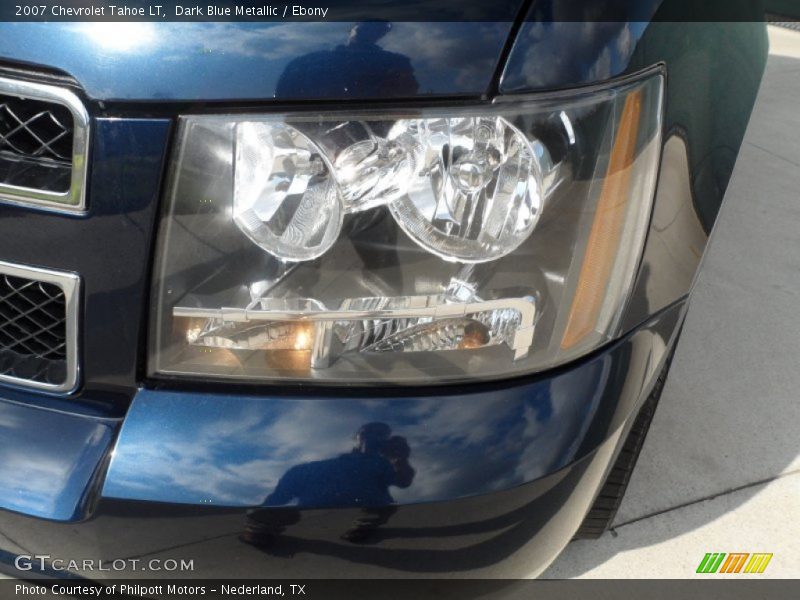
[(414, 247)]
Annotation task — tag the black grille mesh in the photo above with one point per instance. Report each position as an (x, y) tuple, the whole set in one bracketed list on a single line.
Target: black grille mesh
[(33, 330), (35, 129), (36, 140)]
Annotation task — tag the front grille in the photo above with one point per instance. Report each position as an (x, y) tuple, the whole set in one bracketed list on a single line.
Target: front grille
[(35, 130), (33, 330), (35, 144), (35, 333), (43, 145)]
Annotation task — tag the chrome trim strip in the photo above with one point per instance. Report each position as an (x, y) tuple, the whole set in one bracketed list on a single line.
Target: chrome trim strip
[(70, 285), (73, 201)]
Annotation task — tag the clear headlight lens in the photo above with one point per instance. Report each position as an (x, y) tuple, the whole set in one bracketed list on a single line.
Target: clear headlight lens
[(477, 193), (285, 198), (418, 247)]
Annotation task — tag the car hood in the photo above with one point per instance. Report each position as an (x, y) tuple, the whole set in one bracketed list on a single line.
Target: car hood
[(147, 61)]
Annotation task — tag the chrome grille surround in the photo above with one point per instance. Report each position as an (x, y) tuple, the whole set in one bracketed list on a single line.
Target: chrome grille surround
[(36, 131), (39, 328)]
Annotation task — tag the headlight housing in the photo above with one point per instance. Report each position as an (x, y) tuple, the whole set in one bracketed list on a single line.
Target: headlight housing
[(404, 247)]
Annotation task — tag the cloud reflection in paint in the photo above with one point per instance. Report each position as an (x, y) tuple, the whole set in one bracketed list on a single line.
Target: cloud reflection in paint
[(232, 450)]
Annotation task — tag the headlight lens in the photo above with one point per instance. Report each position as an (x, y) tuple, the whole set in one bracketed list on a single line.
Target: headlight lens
[(285, 198), (417, 247), (477, 193)]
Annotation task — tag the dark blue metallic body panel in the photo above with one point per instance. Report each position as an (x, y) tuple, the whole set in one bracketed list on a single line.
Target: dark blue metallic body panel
[(219, 448), (512, 533), (564, 44), (247, 61), (49, 459), (224, 450)]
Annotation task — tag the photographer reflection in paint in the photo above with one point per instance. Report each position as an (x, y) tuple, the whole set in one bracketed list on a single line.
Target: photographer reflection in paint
[(358, 68), (360, 478)]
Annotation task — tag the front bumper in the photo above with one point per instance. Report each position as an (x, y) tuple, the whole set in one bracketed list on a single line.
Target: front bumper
[(504, 475)]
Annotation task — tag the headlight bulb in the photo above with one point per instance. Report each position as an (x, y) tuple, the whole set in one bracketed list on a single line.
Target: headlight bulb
[(373, 172)]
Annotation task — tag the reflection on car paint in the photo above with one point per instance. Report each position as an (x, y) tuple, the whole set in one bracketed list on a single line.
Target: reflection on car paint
[(249, 60), (233, 450)]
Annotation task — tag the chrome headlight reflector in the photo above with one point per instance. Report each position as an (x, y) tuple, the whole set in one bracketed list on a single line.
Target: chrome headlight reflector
[(404, 246), (477, 193)]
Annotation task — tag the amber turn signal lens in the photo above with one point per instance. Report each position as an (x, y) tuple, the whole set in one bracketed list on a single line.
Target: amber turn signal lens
[(604, 237)]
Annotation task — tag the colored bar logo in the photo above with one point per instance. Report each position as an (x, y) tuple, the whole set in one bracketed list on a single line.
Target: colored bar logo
[(735, 562)]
